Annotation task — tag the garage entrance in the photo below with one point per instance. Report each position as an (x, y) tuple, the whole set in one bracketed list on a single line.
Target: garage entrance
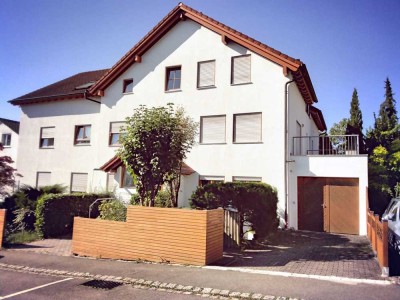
[(328, 204)]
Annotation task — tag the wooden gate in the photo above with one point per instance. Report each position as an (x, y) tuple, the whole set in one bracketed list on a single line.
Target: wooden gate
[(231, 228), (328, 204)]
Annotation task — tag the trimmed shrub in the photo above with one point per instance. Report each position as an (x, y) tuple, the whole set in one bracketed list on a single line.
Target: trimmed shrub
[(55, 212), (255, 202), (163, 199), (113, 210)]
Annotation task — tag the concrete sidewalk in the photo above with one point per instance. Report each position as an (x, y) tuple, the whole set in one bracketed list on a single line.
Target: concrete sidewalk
[(213, 279)]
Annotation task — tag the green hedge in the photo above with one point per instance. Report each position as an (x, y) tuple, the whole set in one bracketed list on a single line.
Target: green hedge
[(55, 212), (255, 202)]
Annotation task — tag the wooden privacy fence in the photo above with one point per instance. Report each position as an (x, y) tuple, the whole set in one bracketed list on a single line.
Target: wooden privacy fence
[(2, 225), (377, 232), (231, 228), (154, 234)]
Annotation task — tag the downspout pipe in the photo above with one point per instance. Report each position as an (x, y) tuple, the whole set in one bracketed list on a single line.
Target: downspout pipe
[(287, 151)]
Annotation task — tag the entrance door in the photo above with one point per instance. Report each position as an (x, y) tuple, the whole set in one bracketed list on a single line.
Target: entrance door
[(328, 204)]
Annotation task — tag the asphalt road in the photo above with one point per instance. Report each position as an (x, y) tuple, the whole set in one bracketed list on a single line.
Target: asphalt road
[(16, 285)]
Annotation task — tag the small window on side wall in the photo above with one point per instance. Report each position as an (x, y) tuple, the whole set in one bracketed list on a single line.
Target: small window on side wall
[(173, 78), (47, 137), (206, 74), (126, 180), (210, 179), (6, 139), (82, 134), (79, 182), (127, 86), (241, 69), (116, 130)]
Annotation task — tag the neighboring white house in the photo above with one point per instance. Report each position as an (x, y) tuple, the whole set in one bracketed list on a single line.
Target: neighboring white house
[(9, 131), (250, 100)]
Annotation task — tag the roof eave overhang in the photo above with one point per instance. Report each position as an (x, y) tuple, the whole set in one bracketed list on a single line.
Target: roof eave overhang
[(51, 98), (181, 12), (318, 118)]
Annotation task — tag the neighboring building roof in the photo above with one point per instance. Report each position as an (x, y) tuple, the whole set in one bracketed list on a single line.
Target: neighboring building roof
[(13, 125), (70, 88), (318, 118), (114, 163), (180, 13)]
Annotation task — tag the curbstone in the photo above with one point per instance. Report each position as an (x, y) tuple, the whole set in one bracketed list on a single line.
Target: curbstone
[(215, 292), (206, 290), (245, 295)]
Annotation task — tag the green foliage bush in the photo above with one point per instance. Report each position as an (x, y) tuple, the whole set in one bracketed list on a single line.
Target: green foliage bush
[(255, 202), (163, 199), (55, 212), (113, 210), (22, 204)]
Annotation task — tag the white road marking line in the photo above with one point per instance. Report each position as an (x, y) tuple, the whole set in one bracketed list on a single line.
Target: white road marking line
[(35, 288), (296, 275)]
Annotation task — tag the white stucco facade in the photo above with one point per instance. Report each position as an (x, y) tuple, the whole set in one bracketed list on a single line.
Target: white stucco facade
[(10, 149), (185, 45)]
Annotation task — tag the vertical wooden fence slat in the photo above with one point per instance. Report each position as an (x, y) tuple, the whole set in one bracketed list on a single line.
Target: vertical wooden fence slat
[(2, 225), (231, 229)]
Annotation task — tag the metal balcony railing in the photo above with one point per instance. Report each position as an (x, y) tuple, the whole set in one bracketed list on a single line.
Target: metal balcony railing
[(326, 145)]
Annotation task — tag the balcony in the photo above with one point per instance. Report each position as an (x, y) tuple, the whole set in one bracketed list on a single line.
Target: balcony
[(333, 145)]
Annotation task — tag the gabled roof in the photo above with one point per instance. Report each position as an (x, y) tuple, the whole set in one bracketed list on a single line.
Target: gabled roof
[(180, 13), (114, 163), (70, 88), (13, 125), (318, 118)]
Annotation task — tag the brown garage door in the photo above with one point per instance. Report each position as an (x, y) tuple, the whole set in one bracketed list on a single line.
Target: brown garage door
[(328, 204)]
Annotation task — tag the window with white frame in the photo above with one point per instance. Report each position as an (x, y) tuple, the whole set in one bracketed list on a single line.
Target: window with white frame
[(247, 128), (241, 69), (246, 179), (82, 134), (206, 74), (127, 86), (210, 179), (213, 129), (6, 139), (110, 182), (116, 130), (43, 179), (47, 137), (79, 182)]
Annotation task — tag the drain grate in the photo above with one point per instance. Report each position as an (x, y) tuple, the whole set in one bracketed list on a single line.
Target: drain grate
[(102, 284)]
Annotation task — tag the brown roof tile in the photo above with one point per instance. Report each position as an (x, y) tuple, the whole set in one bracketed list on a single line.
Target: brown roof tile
[(65, 87)]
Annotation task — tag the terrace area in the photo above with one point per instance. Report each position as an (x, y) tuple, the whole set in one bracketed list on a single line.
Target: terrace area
[(333, 145)]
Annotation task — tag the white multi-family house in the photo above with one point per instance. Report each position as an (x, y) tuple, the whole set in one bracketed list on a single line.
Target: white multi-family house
[(9, 130), (254, 104)]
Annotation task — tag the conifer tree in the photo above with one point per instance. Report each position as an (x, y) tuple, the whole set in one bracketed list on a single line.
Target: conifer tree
[(355, 112), (387, 119)]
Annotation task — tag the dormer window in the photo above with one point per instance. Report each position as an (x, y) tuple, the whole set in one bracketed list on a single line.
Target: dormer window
[(128, 86), (173, 78)]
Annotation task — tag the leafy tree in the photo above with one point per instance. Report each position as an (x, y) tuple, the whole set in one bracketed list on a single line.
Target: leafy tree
[(7, 173), (355, 119), (339, 128), (155, 144)]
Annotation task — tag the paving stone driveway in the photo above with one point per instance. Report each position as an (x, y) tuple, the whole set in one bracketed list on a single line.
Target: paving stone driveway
[(303, 252), (312, 253)]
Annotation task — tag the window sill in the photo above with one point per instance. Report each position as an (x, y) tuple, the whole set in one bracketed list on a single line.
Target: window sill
[(173, 91), (115, 145), (6, 146), (46, 147), (212, 143), (247, 143), (127, 93), (206, 87), (244, 83), (79, 145)]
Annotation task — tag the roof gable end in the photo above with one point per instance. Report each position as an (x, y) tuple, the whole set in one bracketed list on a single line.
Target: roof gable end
[(180, 13)]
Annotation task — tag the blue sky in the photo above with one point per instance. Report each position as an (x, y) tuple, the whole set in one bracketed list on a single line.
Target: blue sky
[(345, 44)]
